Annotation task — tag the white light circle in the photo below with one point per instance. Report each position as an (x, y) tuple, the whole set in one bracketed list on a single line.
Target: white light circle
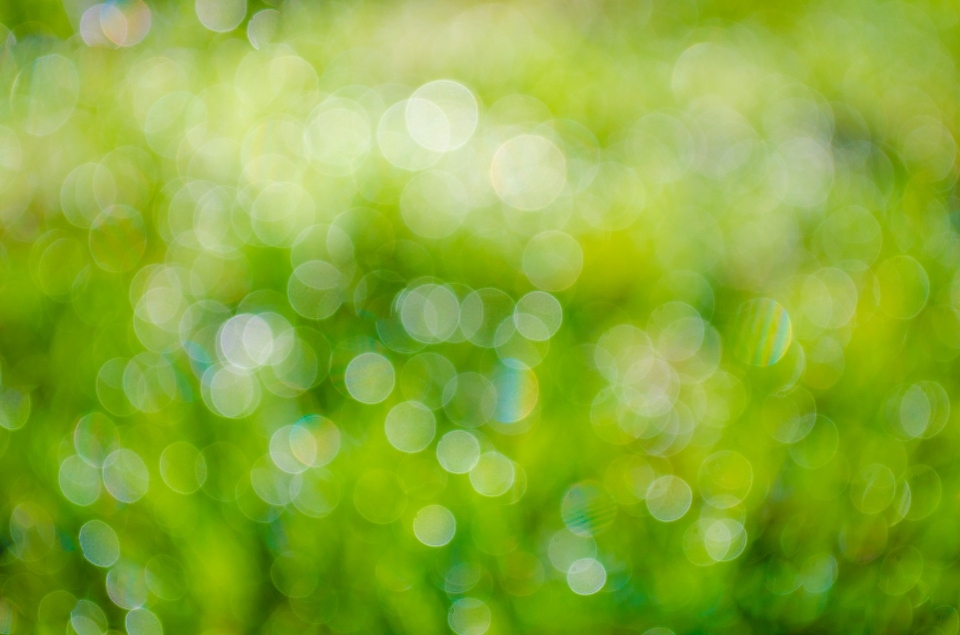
[(458, 451), (370, 378), (142, 622), (99, 543), (434, 525), (528, 172), (469, 616), (493, 475), (221, 15), (442, 115), (125, 476), (586, 576), (668, 498)]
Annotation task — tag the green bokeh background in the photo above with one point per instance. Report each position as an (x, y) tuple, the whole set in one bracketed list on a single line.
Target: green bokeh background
[(752, 237)]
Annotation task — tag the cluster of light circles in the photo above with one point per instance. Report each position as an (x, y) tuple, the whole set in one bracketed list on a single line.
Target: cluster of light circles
[(101, 463), (664, 381), (115, 24)]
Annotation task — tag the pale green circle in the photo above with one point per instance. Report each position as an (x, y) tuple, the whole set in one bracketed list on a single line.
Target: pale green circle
[(538, 316), (493, 475), (79, 481), (127, 585), (230, 392), (221, 15), (586, 576), (668, 498), (434, 525), (410, 426), (86, 618), (904, 287), (818, 573), (901, 570), (873, 488), (725, 478), (142, 622), (45, 94), (95, 437), (552, 260), (528, 172), (182, 467), (369, 378), (458, 451), (469, 616), (14, 408), (818, 446), (99, 543), (125, 476)]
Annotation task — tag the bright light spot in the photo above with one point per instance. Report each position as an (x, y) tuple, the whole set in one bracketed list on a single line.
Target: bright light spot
[(442, 115), (142, 622), (469, 616), (125, 476), (99, 543), (221, 15), (493, 475), (434, 525), (668, 498), (369, 378), (458, 451), (586, 576)]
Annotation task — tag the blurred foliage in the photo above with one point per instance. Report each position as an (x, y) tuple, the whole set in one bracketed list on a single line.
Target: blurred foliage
[(540, 317)]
